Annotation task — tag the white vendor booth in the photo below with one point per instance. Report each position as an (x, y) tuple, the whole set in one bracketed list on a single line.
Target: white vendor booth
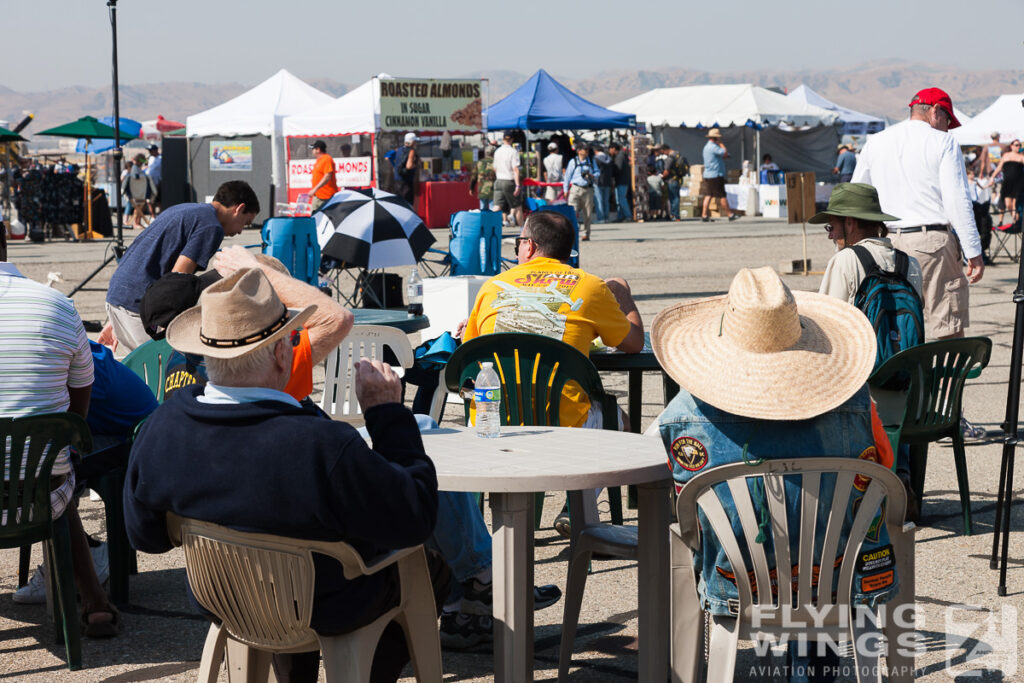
[(241, 139), (1004, 115)]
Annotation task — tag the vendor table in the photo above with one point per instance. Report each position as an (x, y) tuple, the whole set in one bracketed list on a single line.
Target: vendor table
[(390, 317), (524, 460), (437, 201)]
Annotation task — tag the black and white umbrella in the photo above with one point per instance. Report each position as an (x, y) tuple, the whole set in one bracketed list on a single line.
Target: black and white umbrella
[(371, 229)]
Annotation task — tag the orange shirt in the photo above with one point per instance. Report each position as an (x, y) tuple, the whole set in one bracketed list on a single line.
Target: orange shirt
[(325, 166)]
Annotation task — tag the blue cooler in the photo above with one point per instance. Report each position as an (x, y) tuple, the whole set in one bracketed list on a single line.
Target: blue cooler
[(292, 241), (475, 245), (569, 213)]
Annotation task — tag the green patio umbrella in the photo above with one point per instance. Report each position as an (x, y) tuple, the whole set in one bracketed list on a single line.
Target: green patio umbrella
[(86, 127), (9, 136)]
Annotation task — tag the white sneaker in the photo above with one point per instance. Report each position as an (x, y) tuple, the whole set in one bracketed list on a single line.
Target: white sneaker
[(33, 592)]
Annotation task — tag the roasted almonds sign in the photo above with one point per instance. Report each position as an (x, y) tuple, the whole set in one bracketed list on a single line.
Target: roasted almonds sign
[(431, 105)]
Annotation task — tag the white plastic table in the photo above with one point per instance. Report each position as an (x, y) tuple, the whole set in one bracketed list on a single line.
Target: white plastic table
[(525, 460)]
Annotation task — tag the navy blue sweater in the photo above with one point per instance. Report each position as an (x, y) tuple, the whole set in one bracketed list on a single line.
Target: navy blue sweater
[(274, 468)]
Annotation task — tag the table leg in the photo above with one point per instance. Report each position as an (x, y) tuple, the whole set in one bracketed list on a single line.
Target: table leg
[(653, 580), (636, 399), (512, 562)]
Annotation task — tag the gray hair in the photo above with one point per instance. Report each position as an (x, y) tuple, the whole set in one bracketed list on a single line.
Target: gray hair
[(921, 110), (244, 371)]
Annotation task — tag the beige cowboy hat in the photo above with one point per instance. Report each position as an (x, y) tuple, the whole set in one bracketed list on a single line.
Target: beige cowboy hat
[(235, 316), (765, 352), (714, 133)]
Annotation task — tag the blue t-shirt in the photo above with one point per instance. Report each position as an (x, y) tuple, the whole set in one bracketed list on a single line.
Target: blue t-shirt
[(190, 230), (714, 160), (847, 162), (119, 397)]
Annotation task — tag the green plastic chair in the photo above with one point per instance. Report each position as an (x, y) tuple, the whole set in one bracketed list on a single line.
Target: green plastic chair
[(26, 517), (919, 393), (149, 362), (533, 369)]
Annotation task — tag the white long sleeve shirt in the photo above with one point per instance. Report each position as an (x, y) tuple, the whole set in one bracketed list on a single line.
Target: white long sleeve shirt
[(920, 177)]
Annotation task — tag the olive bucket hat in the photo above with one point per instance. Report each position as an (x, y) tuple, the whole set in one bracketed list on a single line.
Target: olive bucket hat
[(856, 200)]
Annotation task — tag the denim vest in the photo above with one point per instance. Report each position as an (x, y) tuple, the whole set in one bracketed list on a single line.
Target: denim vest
[(707, 437)]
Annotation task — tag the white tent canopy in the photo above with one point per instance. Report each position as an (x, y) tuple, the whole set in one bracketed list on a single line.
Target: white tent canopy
[(1004, 116), (709, 106), (357, 111), (258, 111), (854, 122)]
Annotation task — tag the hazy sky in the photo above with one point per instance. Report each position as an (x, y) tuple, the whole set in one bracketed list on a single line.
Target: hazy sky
[(56, 43)]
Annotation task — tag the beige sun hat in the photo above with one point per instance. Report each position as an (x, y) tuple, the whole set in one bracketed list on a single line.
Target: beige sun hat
[(714, 133), (765, 352), (235, 316)]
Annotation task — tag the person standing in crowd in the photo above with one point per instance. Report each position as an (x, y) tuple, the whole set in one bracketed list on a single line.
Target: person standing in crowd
[(138, 187), (407, 172), (1011, 164), (181, 240), (980, 190), (508, 195), (580, 179), (918, 170), (991, 155), (324, 183), (670, 176), (552, 171), (445, 145), (154, 169), (845, 164), (605, 183), (713, 185), (482, 181), (623, 177)]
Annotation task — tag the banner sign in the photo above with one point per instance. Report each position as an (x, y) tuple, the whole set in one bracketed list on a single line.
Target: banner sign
[(416, 104), (230, 155), (348, 172)]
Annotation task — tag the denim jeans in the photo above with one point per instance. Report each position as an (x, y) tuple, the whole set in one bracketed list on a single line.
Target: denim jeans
[(485, 204), (673, 198), (602, 202), (460, 535), (622, 202)]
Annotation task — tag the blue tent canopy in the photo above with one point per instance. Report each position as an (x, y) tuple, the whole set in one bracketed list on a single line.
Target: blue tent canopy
[(542, 103)]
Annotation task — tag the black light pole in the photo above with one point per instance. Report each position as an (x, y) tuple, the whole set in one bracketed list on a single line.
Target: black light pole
[(1005, 500), (118, 155)]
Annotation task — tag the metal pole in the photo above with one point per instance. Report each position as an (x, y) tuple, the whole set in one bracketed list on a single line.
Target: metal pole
[(118, 155)]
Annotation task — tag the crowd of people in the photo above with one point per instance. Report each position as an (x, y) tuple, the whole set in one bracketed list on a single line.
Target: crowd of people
[(765, 372)]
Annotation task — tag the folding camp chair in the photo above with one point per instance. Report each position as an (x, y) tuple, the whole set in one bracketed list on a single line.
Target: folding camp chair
[(1008, 239)]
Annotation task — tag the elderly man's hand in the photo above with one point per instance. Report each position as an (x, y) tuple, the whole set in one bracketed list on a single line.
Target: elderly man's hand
[(227, 261), (376, 383), (975, 268)]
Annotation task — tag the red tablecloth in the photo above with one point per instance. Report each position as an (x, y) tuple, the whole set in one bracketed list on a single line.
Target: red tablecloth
[(437, 201)]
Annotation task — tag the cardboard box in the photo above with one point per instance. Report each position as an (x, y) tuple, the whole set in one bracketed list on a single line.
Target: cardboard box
[(687, 211), (696, 173), (772, 200)]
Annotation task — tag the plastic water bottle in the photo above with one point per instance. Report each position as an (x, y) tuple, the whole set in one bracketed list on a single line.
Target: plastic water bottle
[(487, 396), (414, 292)]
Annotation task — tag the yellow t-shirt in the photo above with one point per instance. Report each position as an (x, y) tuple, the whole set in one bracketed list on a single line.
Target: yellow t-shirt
[(548, 297)]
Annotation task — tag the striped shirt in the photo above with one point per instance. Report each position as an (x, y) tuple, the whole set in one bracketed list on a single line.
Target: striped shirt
[(43, 351)]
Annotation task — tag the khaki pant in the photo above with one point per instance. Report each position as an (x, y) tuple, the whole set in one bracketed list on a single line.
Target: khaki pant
[(128, 328), (582, 200), (945, 293)]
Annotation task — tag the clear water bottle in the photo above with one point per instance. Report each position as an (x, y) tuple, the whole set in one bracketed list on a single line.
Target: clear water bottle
[(487, 396), (414, 292)]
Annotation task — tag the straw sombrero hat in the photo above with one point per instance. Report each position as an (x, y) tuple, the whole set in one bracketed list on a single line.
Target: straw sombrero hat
[(765, 352), (235, 316)]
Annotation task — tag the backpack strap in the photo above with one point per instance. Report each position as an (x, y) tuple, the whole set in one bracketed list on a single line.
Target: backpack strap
[(865, 258), (902, 263)]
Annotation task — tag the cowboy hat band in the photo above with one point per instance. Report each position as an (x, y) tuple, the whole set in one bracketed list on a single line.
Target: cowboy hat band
[(765, 352), (235, 316)]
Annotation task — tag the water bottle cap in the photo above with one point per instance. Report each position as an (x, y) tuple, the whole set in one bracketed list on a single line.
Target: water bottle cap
[(487, 364)]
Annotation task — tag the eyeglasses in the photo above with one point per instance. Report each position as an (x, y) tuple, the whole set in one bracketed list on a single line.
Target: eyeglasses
[(520, 240), (296, 337)]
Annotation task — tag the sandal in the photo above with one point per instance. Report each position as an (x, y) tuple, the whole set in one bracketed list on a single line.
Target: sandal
[(101, 629)]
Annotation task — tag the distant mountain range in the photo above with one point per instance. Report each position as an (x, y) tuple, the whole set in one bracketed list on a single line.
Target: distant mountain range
[(881, 87)]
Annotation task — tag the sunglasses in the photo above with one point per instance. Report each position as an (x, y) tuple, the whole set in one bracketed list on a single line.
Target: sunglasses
[(520, 240), (829, 227), (295, 337)]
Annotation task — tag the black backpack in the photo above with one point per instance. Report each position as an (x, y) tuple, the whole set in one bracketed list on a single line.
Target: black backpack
[(891, 304)]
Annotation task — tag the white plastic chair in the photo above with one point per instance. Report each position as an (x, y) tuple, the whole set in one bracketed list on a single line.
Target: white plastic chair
[(364, 341), (261, 588), (774, 618)]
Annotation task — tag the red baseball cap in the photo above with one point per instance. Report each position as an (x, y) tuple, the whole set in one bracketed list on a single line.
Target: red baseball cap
[(937, 96)]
